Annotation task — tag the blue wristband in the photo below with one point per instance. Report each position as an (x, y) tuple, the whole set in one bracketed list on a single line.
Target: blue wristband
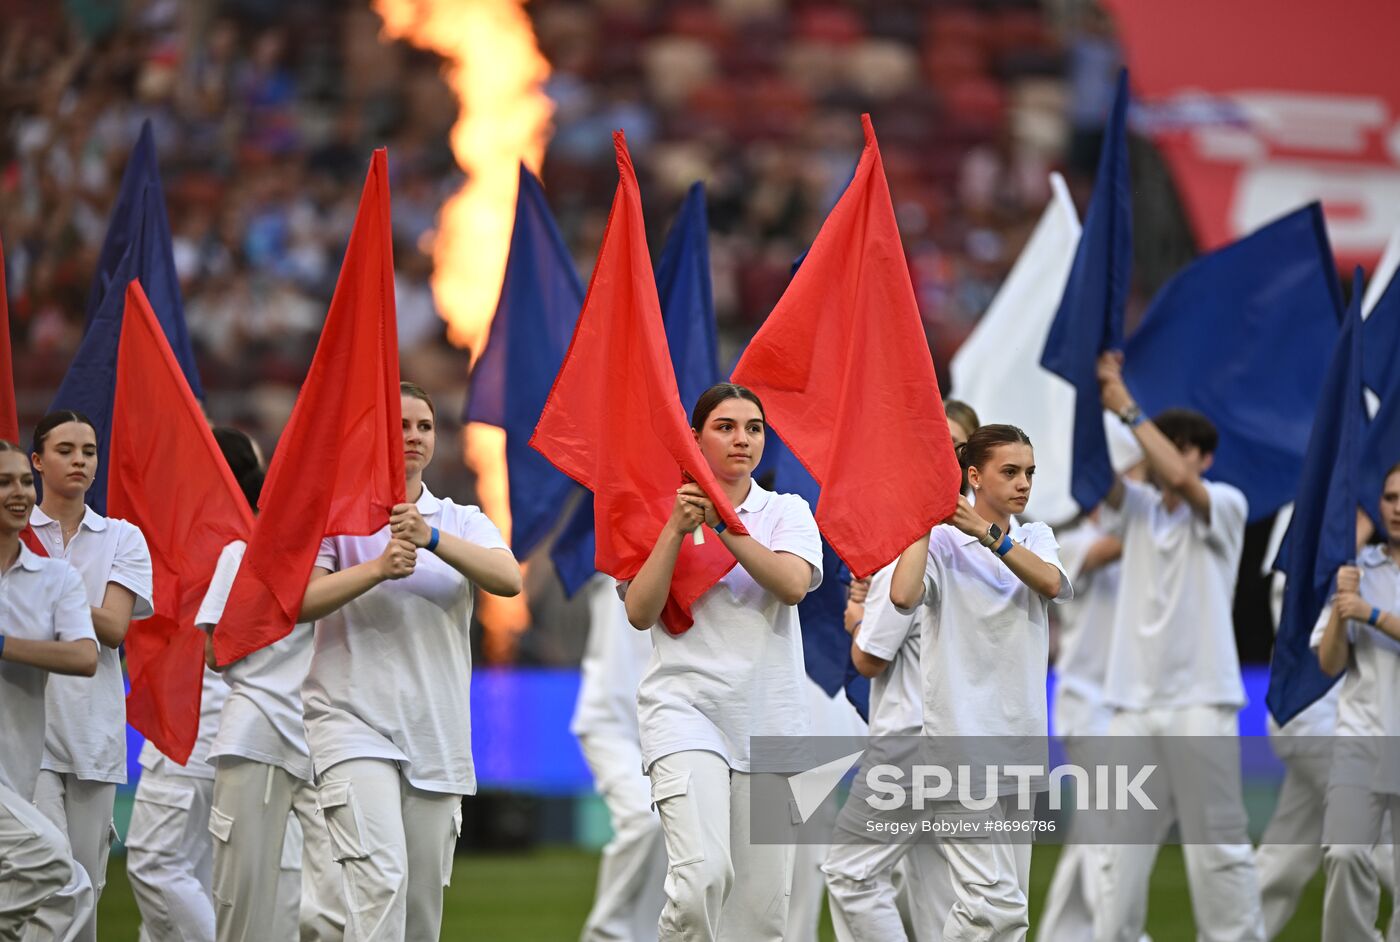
[(2, 647), (720, 527), (1004, 546), (432, 543), (1373, 621)]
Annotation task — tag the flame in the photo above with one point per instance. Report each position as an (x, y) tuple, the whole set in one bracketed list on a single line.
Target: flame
[(496, 71)]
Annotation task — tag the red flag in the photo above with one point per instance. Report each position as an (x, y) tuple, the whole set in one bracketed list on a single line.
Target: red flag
[(9, 417), (9, 413), (167, 476), (843, 368), (338, 469), (614, 420)]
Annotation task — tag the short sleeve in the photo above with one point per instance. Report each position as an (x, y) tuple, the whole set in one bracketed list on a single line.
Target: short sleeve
[(1138, 501), (475, 527), (72, 616), (884, 629), (797, 533), (1229, 512), (932, 571), (1040, 540), (1320, 628), (131, 568), (328, 556), (1075, 545), (211, 609)]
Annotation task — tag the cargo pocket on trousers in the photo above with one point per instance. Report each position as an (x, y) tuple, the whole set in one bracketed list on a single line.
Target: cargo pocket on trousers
[(158, 817), (680, 822), (450, 852), (225, 874), (336, 801)]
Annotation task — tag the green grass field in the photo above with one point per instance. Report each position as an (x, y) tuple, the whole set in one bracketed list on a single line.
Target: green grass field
[(544, 895)]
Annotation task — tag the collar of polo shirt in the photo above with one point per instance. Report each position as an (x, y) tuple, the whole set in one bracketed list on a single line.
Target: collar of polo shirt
[(756, 500), (91, 519)]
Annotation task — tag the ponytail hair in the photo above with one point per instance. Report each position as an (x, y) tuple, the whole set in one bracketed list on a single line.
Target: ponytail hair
[(977, 450), (242, 461), (52, 421)]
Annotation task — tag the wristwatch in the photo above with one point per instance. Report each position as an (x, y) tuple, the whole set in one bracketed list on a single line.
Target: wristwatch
[(1131, 416), (993, 536)]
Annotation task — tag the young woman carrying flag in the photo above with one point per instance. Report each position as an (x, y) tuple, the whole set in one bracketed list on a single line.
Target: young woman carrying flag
[(984, 582), (85, 742), (45, 628), (1360, 633), (736, 672), (386, 699)]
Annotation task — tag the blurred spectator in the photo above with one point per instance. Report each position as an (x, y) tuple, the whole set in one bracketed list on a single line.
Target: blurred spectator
[(265, 113)]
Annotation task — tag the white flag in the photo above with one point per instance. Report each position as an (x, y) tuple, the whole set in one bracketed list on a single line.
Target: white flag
[(997, 370), (1380, 278)]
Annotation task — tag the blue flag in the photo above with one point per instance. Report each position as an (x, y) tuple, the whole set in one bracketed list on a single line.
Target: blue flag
[(137, 246), (1241, 335), (688, 313), (534, 323), (1090, 317), (1322, 534), (1382, 350), (826, 648)]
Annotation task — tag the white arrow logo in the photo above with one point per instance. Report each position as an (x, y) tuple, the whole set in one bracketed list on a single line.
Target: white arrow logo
[(810, 788)]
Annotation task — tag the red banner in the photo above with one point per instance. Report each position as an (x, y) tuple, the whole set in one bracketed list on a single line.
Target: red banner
[(1260, 107)]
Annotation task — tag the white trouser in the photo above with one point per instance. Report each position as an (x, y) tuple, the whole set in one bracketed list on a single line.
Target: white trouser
[(35, 865), (1353, 825), (1205, 798), (959, 889), (394, 844), (876, 887), (287, 923), (249, 823), (1073, 896), (1291, 849), (808, 890), (83, 812), (631, 875), (169, 857), (719, 885)]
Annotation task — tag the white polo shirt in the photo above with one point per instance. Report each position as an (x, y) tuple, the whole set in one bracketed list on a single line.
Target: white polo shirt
[(1086, 632), (614, 660), (262, 718), (738, 672), (896, 693), (40, 600), (390, 671), (211, 704), (1174, 642), (87, 716), (987, 643), (1368, 710)]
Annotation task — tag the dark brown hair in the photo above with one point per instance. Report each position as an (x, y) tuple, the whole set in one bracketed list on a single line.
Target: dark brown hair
[(52, 421), (242, 461), (717, 394), (414, 391), (1187, 428), (977, 450)]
